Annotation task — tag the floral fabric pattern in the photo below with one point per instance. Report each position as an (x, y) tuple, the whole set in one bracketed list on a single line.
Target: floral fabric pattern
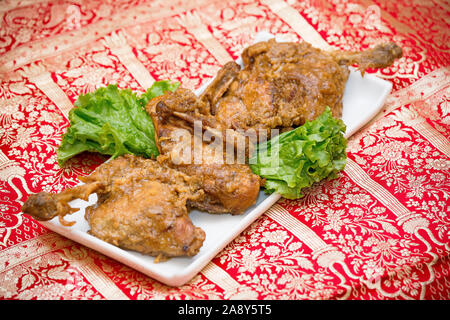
[(381, 230)]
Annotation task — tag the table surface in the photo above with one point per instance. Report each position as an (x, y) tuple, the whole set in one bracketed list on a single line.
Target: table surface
[(379, 231)]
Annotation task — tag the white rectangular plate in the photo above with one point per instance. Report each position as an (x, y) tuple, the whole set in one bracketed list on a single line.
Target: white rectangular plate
[(363, 99)]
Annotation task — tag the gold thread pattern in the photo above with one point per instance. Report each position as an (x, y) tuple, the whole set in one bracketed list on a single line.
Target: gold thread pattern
[(119, 46), (409, 220), (232, 288), (324, 253), (193, 23), (37, 74), (297, 22)]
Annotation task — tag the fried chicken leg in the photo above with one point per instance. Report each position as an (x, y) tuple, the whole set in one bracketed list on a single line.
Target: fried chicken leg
[(284, 84), (229, 187), (142, 206)]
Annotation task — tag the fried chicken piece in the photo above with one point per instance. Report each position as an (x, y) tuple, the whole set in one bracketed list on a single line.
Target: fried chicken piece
[(380, 56), (229, 187), (284, 84), (142, 206)]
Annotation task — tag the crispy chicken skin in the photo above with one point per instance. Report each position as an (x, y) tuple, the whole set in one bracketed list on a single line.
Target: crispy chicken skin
[(284, 84), (229, 187), (142, 206)]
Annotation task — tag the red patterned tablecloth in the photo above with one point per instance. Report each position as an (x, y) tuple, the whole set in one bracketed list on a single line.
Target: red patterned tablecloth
[(379, 231)]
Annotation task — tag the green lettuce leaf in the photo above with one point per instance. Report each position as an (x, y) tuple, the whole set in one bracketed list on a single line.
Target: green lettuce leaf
[(112, 122), (297, 159)]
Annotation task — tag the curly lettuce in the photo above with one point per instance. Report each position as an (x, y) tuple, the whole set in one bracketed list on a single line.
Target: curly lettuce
[(112, 121), (297, 159)]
